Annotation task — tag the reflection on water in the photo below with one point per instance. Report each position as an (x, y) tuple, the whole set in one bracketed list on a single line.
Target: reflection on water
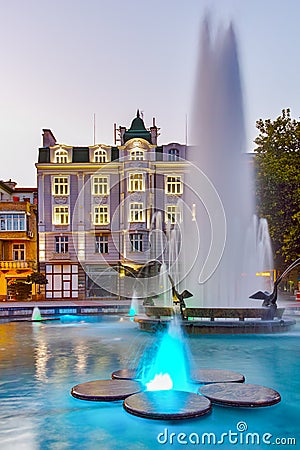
[(39, 363)]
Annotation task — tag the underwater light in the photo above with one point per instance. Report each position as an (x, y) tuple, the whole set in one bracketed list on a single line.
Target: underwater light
[(161, 382)]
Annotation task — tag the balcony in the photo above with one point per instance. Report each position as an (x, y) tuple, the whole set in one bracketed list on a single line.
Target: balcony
[(60, 256), (15, 265)]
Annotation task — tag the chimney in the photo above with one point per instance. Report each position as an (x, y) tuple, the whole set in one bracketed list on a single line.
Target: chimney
[(48, 138)]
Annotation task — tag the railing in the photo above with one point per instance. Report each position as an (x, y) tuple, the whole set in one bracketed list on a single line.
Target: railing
[(18, 264)]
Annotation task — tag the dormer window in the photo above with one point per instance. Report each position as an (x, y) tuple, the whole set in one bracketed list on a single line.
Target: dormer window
[(173, 154), (137, 155), (61, 156), (100, 156)]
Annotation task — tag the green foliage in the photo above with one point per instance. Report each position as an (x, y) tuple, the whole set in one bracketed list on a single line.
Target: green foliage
[(278, 183), (37, 278)]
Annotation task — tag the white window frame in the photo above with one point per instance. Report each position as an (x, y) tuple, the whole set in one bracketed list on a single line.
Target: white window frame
[(174, 185), (136, 242), (61, 215), (136, 182), (100, 185), (137, 155), (173, 154), (60, 185), (173, 214), (19, 251), (61, 156), (61, 244), (13, 221), (101, 215), (100, 156), (136, 212), (101, 244)]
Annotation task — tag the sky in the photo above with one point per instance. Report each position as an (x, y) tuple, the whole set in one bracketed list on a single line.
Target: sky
[(64, 61)]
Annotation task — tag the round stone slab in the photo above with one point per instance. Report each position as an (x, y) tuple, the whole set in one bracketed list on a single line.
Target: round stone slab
[(242, 395), (125, 374), (167, 405), (105, 390), (207, 376)]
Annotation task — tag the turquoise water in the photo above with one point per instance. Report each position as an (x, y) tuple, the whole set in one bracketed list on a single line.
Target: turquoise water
[(40, 362)]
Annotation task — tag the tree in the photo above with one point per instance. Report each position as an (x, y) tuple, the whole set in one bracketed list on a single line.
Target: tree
[(278, 183)]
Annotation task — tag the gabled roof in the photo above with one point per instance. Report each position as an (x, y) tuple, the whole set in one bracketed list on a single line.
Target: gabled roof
[(6, 188)]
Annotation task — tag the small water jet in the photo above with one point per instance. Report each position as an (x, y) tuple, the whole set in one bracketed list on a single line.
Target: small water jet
[(36, 314)]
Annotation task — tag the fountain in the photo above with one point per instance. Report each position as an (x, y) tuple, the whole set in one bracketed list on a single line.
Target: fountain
[(221, 248), (223, 245), (36, 314)]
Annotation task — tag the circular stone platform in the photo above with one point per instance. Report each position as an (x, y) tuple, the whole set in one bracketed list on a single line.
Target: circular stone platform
[(125, 374), (242, 395), (207, 376), (105, 390), (167, 405)]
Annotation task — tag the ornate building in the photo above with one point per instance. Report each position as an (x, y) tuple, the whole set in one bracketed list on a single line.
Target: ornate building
[(18, 240), (96, 208)]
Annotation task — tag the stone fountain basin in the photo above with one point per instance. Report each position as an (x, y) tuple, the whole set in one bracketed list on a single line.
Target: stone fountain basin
[(211, 314)]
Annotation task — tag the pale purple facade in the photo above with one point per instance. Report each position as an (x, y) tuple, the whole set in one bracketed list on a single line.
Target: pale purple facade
[(96, 206)]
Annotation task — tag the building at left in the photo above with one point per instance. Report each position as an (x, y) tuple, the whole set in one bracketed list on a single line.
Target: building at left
[(18, 241)]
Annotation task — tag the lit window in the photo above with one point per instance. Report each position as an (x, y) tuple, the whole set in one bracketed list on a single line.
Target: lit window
[(136, 182), (100, 156), (101, 215), (101, 244), (61, 215), (61, 156), (137, 155), (19, 252), (173, 154), (136, 242), (12, 222), (173, 214), (173, 185), (136, 212), (60, 186), (100, 186)]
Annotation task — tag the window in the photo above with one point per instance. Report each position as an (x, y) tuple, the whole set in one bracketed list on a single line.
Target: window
[(61, 215), (100, 156), (136, 212), (100, 186), (12, 222), (173, 214), (137, 155), (61, 244), (136, 242), (19, 252), (101, 244), (62, 281), (173, 185), (173, 154), (61, 156), (136, 182), (60, 186), (101, 215)]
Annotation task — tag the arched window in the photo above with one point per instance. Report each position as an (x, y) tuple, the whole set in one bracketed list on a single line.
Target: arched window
[(100, 156), (173, 154), (137, 155), (61, 156)]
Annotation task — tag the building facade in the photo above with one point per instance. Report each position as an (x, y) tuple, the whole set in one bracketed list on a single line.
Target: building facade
[(18, 240), (97, 205)]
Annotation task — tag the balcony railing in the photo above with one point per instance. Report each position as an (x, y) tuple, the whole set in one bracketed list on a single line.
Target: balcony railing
[(18, 265)]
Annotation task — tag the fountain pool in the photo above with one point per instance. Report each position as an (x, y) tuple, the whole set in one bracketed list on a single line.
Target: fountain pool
[(40, 362)]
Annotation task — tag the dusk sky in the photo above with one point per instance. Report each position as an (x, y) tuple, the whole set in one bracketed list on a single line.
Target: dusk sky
[(64, 60)]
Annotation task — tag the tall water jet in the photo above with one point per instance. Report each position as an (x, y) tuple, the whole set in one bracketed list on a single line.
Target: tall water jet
[(218, 269)]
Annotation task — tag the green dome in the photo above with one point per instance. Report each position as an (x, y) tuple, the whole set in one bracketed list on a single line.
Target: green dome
[(137, 130)]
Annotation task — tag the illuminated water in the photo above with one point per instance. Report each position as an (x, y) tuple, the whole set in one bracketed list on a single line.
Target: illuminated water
[(40, 362)]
